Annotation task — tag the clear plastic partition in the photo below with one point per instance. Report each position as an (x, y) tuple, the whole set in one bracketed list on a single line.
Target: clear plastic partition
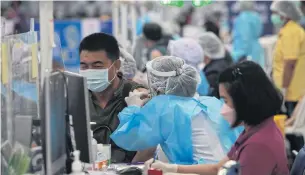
[(19, 96)]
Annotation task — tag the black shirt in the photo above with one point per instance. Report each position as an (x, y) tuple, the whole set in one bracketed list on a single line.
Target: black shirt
[(107, 119), (212, 72)]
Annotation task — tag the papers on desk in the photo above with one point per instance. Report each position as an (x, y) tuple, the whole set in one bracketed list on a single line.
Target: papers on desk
[(119, 167), (179, 174), (102, 173)]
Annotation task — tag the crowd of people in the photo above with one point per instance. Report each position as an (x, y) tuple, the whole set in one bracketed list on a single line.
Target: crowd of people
[(199, 105)]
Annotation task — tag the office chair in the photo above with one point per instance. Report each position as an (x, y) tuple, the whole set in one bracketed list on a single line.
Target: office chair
[(298, 167)]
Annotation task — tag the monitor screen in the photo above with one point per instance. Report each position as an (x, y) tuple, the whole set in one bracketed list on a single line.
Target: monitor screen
[(79, 113), (53, 120)]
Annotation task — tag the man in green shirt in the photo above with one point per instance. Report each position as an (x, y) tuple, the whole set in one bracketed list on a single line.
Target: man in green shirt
[(100, 63)]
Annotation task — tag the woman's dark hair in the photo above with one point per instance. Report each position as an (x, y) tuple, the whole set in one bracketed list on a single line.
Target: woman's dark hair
[(255, 98)]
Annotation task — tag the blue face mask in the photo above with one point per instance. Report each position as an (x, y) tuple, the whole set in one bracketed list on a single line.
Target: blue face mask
[(97, 79), (276, 20)]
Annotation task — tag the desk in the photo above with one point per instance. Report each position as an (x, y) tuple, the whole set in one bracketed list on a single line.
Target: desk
[(113, 173), (123, 166)]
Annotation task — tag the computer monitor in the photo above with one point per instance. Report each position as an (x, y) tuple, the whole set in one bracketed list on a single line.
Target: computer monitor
[(78, 109), (53, 123)]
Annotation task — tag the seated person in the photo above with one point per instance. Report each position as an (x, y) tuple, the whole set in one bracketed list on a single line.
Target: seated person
[(100, 63), (251, 100), (190, 130), (214, 59), (191, 52)]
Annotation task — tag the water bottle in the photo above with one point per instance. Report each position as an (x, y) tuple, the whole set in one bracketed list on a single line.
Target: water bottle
[(94, 149)]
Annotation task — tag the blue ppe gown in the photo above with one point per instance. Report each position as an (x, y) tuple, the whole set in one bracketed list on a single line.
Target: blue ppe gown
[(203, 87), (247, 29), (166, 120)]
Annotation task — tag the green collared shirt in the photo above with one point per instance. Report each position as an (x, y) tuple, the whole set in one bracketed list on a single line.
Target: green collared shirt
[(107, 118)]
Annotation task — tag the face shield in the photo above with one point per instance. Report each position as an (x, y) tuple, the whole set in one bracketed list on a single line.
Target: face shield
[(157, 81)]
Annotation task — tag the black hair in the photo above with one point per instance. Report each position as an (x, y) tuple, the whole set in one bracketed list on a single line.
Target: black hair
[(101, 42), (211, 27), (152, 31), (254, 96)]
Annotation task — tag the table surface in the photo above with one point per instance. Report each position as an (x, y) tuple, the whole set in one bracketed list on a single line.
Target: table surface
[(113, 173), (123, 166)]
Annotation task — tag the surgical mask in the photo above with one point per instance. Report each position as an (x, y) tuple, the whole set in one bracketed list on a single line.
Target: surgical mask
[(276, 20), (97, 79), (228, 113)]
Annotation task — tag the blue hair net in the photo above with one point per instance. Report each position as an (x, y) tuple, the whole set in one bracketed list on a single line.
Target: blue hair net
[(166, 120)]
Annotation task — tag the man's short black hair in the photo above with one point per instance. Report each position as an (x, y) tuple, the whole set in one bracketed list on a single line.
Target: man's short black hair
[(101, 42), (152, 31), (255, 98)]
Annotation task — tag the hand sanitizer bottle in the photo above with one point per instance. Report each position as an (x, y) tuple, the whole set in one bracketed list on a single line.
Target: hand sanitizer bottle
[(77, 164)]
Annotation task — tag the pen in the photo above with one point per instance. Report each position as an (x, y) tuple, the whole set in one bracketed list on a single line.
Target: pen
[(155, 158)]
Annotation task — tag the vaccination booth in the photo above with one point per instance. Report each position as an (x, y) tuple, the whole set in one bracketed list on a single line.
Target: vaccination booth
[(43, 122)]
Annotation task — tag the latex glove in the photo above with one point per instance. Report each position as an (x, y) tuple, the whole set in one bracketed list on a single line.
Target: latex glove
[(166, 168), (136, 98)]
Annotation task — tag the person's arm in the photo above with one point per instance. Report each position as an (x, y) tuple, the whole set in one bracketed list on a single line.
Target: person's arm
[(258, 159), (288, 71), (291, 50), (143, 156), (139, 127), (204, 169)]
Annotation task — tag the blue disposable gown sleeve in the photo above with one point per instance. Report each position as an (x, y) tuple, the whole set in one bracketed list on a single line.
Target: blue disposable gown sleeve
[(203, 88), (241, 38), (141, 128)]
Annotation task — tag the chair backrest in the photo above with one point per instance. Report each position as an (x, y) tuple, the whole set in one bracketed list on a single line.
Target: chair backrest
[(298, 167), (299, 114)]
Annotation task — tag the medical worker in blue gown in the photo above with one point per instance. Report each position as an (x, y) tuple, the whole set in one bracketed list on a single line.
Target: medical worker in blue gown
[(190, 130), (247, 29), (191, 52)]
